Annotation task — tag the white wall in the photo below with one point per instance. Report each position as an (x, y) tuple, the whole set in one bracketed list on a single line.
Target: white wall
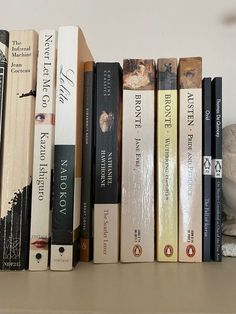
[(117, 29)]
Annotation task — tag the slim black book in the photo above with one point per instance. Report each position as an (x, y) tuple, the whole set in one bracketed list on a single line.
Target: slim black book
[(216, 168), (107, 167), (86, 245), (206, 193), (4, 44)]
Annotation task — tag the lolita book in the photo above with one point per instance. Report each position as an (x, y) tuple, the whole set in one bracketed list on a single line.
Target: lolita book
[(72, 53)]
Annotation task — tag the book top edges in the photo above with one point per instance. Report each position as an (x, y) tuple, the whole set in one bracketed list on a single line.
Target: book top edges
[(138, 74), (167, 74), (190, 72)]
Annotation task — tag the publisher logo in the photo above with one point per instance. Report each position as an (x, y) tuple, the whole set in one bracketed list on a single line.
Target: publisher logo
[(190, 250), (207, 165), (168, 250), (217, 168), (137, 250)]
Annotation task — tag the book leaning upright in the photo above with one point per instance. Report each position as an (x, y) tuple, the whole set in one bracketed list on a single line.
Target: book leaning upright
[(137, 205), (43, 151), (167, 188), (72, 53), (18, 150), (190, 159)]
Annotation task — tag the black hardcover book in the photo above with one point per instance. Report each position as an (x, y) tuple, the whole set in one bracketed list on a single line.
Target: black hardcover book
[(86, 245), (107, 167), (216, 168), (206, 192)]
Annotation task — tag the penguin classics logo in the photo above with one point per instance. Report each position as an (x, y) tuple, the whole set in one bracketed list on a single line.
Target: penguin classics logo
[(190, 250), (137, 250), (168, 250)]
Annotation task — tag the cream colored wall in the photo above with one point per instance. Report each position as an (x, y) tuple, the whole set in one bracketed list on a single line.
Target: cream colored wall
[(117, 29)]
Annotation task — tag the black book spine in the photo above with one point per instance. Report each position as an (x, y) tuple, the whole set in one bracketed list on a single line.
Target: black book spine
[(207, 135), (108, 158), (63, 195), (86, 245), (108, 113), (217, 169), (4, 44), (4, 41)]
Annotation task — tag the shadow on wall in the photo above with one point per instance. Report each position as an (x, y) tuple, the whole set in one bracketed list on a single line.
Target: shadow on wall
[(229, 19)]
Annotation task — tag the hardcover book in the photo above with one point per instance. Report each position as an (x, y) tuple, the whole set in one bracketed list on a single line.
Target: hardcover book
[(43, 151), (217, 169), (190, 159), (18, 150), (107, 162), (72, 53), (87, 201), (167, 185), (137, 204), (206, 186)]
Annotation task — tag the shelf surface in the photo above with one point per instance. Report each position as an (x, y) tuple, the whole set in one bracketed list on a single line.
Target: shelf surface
[(123, 288)]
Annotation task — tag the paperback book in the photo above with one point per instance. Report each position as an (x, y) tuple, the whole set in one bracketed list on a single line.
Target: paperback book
[(167, 185), (137, 204), (206, 184), (217, 169), (4, 44), (190, 159), (43, 152), (72, 53), (18, 150), (107, 162), (87, 197)]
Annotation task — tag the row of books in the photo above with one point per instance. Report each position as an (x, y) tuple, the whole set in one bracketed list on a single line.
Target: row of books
[(104, 161)]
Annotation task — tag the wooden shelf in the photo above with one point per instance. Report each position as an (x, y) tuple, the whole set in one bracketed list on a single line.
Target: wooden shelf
[(123, 288)]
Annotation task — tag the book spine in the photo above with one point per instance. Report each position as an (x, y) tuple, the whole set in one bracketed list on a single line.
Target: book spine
[(43, 151), (217, 169), (4, 44), (190, 160), (137, 209), (18, 150), (207, 134), (73, 52), (167, 187), (107, 167), (86, 232), (65, 145)]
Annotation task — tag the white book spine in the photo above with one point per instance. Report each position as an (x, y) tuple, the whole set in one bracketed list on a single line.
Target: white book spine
[(63, 218), (43, 151)]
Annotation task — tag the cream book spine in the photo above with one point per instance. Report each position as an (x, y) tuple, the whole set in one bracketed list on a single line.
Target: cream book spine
[(190, 159), (167, 180), (43, 151), (18, 149), (137, 204)]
